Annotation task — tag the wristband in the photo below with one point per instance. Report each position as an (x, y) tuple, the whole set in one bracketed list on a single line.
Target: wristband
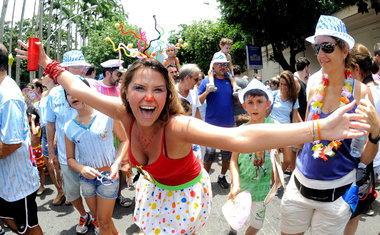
[(319, 130), (124, 163), (375, 140)]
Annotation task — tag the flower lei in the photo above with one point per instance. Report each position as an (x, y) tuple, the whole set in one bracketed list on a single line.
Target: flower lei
[(320, 150)]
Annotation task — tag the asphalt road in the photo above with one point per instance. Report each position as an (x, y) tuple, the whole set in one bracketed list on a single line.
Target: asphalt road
[(62, 219)]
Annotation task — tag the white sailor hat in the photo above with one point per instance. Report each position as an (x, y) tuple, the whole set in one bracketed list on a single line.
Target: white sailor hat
[(114, 63)]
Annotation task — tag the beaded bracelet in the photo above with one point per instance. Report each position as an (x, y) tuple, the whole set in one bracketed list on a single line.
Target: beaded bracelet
[(54, 69)]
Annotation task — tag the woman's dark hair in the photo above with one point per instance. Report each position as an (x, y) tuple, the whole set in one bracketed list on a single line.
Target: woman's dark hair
[(292, 91), (83, 80), (361, 56), (172, 103), (38, 84), (32, 110)]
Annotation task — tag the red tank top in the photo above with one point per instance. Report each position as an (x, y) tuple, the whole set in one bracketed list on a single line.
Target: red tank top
[(171, 172)]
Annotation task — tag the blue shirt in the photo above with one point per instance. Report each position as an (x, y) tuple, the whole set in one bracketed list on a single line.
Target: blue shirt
[(60, 112), (94, 143), (219, 110), (335, 167), (281, 110), (18, 176)]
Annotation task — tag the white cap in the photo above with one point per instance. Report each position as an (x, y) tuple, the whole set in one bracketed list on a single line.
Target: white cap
[(114, 63), (220, 57), (255, 84)]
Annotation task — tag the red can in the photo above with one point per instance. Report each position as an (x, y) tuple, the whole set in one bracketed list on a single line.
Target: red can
[(33, 53)]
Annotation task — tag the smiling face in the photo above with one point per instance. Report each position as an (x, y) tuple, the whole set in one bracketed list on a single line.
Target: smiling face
[(256, 107), (330, 62), (146, 95)]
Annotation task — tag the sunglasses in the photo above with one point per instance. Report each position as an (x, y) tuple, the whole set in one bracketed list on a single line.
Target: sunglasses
[(104, 179), (327, 47), (221, 65)]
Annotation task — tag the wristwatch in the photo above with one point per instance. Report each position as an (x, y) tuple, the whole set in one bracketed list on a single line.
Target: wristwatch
[(375, 140)]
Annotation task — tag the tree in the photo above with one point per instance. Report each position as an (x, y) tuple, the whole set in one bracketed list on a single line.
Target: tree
[(18, 46), (281, 24), (2, 19), (203, 39)]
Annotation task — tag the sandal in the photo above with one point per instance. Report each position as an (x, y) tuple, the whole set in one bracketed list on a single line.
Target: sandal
[(59, 200), (212, 88)]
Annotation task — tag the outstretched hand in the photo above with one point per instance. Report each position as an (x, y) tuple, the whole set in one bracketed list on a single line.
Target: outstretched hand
[(370, 115), (343, 125), (43, 59)]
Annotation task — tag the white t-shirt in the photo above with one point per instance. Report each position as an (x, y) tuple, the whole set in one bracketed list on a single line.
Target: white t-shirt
[(193, 99)]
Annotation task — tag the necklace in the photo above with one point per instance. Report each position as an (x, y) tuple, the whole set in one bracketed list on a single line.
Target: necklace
[(320, 150)]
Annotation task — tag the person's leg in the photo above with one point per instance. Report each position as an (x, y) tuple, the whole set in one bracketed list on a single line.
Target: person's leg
[(104, 216), (296, 211), (106, 197), (34, 231), (209, 158), (251, 231), (330, 217), (11, 224), (71, 188), (222, 181), (352, 225)]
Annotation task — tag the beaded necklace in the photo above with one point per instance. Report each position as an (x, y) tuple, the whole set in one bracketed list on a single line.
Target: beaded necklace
[(320, 150)]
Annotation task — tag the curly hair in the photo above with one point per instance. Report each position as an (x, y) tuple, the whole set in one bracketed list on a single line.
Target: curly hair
[(172, 102)]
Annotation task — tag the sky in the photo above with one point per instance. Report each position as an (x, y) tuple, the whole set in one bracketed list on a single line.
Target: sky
[(169, 13)]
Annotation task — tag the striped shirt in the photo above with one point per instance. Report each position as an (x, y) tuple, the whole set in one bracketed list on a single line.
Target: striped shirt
[(60, 112), (94, 143), (42, 108), (107, 90), (18, 176)]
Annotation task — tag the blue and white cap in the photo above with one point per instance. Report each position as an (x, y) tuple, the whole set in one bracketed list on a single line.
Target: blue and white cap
[(220, 57), (114, 64), (253, 85), (332, 26), (74, 58)]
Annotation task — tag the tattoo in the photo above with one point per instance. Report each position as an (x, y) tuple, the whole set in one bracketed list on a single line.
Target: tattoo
[(144, 141)]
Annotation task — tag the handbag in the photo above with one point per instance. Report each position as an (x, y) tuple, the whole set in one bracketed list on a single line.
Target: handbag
[(367, 193)]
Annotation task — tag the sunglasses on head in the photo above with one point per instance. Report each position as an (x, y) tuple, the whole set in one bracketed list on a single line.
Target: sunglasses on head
[(327, 47)]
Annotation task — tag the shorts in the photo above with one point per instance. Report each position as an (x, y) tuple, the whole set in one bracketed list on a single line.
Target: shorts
[(299, 213), (38, 156), (23, 212), (257, 215), (91, 189), (211, 155), (70, 183)]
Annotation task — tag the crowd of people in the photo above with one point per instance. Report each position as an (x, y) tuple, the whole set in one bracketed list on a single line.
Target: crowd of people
[(169, 121)]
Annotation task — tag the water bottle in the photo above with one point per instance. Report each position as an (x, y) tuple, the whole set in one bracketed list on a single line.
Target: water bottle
[(357, 146)]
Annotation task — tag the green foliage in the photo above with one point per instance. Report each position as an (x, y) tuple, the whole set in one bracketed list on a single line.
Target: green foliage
[(203, 39), (283, 23), (98, 50)]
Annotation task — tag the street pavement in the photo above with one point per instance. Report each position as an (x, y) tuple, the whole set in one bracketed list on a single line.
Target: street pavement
[(63, 219)]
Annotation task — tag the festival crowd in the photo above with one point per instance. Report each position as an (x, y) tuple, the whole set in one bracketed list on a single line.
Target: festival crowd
[(169, 122)]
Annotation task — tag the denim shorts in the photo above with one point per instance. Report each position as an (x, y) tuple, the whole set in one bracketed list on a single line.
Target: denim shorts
[(70, 184), (211, 155), (91, 189)]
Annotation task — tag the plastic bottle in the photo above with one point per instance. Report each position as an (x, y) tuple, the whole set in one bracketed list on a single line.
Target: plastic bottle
[(357, 146)]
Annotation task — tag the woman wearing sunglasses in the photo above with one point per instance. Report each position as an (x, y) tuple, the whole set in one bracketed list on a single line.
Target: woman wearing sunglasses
[(174, 196), (90, 152), (320, 192)]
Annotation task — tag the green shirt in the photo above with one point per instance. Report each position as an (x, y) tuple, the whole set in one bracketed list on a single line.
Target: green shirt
[(255, 174)]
